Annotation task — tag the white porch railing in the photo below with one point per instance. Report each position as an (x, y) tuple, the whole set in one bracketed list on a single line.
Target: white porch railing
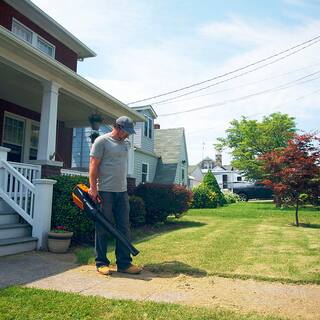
[(70, 172), (29, 171), (32, 200), (18, 191)]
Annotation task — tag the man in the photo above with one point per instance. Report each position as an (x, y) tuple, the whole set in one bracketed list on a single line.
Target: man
[(108, 179)]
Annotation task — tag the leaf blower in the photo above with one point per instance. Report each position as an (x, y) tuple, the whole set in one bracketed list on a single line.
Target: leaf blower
[(84, 202)]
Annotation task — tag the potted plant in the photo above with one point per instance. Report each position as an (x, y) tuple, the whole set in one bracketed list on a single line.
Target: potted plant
[(95, 121), (59, 239)]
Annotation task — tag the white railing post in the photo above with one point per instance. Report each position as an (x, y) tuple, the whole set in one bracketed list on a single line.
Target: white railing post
[(42, 210), (3, 156)]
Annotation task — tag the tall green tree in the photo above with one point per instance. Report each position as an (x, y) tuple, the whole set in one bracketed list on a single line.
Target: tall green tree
[(249, 139)]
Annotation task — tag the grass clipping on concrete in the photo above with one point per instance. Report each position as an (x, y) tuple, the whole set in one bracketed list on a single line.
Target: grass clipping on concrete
[(244, 240)]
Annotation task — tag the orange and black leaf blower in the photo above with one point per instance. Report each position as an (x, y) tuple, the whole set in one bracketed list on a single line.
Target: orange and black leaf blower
[(83, 201)]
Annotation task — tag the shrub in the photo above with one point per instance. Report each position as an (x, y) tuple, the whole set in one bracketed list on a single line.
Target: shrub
[(65, 213), (211, 182), (137, 211), (203, 197), (162, 200), (231, 197)]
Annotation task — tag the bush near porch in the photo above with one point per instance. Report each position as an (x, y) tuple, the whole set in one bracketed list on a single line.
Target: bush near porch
[(162, 200), (152, 207)]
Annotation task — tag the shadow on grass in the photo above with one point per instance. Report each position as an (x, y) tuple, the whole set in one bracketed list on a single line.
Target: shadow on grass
[(307, 225), (85, 255), (173, 268), (148, 232)]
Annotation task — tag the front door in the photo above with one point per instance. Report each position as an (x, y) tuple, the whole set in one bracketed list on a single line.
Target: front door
[(21, 136)]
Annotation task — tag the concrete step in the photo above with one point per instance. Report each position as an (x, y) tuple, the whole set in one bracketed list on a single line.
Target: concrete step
[(16, 230), (4, 207), (17, 245), (8, 218)]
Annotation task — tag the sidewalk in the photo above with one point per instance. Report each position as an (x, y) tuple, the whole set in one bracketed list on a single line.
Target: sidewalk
[(60, 272)]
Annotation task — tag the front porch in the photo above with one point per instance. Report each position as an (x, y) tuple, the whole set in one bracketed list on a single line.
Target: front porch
[(41, 101)]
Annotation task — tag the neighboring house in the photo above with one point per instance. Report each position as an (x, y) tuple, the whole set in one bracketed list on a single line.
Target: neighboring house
[(145, 158), (170, 146), (227, 176), (81, 143), (42, 98), (159, 155)]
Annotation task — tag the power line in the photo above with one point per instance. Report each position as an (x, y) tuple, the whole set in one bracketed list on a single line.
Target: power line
[(236, 87), (272, 109), (309, 42), (236, 76), (218, 104)]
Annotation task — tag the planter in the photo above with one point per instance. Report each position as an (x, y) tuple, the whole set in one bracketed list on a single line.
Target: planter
[(59, 242)]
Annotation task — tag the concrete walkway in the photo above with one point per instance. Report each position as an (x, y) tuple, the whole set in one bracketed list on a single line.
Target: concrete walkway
[(60, 272)]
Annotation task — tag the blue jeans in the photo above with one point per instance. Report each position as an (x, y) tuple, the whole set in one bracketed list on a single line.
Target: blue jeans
[(115, 207)]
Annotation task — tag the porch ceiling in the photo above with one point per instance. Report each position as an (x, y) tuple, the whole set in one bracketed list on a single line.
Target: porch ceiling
[(22, 69), (25, 91)]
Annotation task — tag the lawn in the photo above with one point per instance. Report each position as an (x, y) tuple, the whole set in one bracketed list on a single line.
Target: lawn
[(243, 240), (28, 304)]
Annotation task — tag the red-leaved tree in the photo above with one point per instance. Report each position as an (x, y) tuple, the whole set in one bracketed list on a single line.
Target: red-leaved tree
[(294, 170)]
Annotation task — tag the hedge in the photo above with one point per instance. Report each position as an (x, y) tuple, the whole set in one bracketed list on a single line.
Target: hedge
[(65, 213), (162, 200), (203, 197)]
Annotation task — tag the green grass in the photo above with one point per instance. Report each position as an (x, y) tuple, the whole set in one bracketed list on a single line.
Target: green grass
[(243, 240), (23, 304)]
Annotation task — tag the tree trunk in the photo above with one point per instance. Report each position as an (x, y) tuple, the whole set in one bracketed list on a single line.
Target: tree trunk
[(297, 215), (278, 201)]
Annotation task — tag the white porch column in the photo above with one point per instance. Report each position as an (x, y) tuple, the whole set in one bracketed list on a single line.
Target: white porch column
[(48, 122), (42, 210)]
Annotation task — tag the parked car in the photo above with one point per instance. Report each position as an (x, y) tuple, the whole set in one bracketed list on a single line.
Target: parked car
[(256, 190)]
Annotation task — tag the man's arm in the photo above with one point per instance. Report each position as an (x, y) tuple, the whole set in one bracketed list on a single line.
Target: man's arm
[(93, 176)]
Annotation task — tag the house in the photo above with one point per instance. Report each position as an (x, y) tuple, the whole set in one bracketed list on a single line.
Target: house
[(170, 146), (145, 158), (42, 98), (159, 155), (227, 176)]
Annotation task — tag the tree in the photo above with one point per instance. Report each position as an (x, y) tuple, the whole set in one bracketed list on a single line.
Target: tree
[(249, 139), (210, 181), (294, 170)]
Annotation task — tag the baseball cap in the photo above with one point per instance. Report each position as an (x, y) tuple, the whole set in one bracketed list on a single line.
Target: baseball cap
[(126, 124)]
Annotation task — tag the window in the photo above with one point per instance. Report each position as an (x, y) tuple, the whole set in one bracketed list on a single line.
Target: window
[(45, 47), (182, 175), (33, 38), (239, 178), (21, 31), (34, 139), (13, 134), (148, 128), (145, 172)]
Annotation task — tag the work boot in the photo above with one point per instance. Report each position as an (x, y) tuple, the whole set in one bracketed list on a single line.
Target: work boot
[(132, 269), (105, 270)]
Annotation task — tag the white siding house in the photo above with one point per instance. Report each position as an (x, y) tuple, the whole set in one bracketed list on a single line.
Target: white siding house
[(227, 176)]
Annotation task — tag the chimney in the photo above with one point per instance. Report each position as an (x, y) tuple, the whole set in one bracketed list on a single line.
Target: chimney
[(218, 158), (156, 126)]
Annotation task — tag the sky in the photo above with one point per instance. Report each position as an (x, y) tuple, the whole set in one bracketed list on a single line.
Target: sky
[(146, 48)]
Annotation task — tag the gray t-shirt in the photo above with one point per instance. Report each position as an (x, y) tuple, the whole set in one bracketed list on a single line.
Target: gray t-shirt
[(114, 163)]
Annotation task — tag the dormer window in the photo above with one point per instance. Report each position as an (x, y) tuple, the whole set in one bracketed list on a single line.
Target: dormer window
[(148, 127), (33, 38)]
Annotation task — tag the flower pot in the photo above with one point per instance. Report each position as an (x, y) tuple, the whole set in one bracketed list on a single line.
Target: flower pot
[(59, 242)]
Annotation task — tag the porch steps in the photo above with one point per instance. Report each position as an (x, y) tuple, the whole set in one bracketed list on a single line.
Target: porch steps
[(15, 233), (17, 245)]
